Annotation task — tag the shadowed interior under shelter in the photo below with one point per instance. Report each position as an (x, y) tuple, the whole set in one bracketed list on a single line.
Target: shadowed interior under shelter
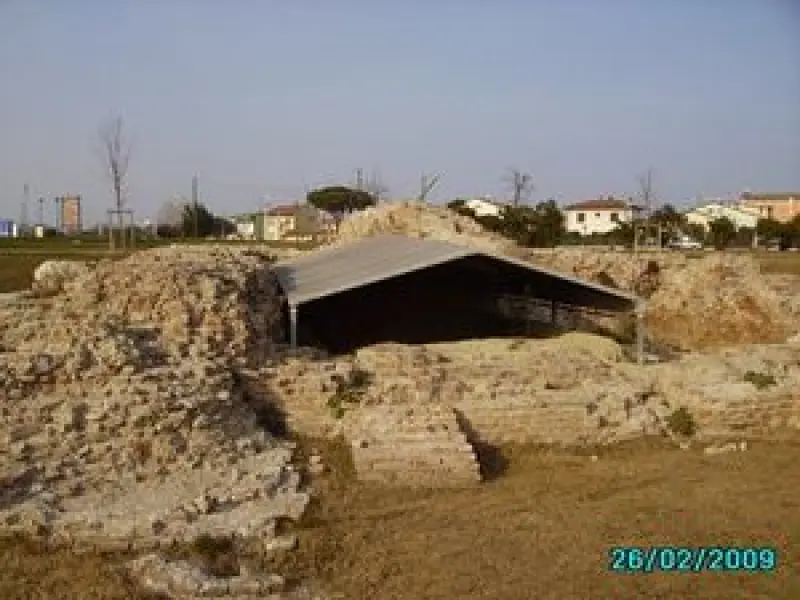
[(394, 288)]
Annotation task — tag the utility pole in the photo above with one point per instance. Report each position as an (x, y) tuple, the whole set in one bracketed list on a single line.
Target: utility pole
[(360, 179), (23, 217), (41, 211), (194, 204), (59, 216)]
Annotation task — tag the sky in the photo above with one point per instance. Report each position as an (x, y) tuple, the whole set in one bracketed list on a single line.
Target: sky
[(262, 100)]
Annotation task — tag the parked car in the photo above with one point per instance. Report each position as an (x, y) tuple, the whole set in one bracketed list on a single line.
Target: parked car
[(777, 244), (685, 243)]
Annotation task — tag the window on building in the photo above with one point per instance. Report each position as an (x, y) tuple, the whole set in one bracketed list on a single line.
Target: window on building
[(596, 215), (581, 217), (769, 212), (615, 217)]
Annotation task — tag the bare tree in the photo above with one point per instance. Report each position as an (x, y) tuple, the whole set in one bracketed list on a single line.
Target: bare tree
[(170, 215), (116, 153), (426, 185), (375, 187), (646, 194), (521, 186), (646, 197)]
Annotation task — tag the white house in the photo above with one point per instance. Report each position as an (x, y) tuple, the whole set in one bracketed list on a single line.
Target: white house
[(705, 214), (484, 207), (599, 216), (245, 226)]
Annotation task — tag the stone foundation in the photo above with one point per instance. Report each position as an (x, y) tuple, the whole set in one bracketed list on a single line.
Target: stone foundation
[(420, 445)]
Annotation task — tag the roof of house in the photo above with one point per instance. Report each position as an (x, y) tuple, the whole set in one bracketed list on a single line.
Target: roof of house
[(717, 206), (600, 204), (245, 218), (487, 201), (283, 210), (773, 197), (333, 270)]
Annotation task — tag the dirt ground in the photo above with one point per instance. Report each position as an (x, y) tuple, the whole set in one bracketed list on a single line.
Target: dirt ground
[(541, 530)]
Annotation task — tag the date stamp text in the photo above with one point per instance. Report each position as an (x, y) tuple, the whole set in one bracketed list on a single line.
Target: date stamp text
[(698, 559)]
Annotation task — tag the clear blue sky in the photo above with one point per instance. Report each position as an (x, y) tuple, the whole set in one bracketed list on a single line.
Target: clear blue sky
[(262, 98)]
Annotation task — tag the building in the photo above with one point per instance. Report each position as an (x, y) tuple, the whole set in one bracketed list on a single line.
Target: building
[(782, 207), (296, 222), (340, 297), (8, 229), (327, 224), (599, 216), (705, 214), (484, 207), (245, 226), (70, 220)]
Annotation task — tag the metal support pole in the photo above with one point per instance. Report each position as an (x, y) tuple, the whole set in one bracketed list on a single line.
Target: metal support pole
[(293, 326), (111, 230), (640, 332), (133, 230)]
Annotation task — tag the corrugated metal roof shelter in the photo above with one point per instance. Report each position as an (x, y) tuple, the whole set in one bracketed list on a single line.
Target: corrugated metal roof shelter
[(336, 270)]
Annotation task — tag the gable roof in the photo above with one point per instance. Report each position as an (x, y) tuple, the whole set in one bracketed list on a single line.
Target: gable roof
[(282, 210), (333, 270), (601, 204), (773, 197)]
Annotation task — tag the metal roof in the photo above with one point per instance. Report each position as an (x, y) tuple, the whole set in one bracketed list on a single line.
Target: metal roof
[(370, 260)]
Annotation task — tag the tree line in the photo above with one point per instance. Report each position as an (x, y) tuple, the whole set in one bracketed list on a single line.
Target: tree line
[(543, 225), (538, 225)]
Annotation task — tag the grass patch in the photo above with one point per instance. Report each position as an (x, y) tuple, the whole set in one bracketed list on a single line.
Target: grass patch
[(779, 262), (20, 257), (16, 268), (760, 380)]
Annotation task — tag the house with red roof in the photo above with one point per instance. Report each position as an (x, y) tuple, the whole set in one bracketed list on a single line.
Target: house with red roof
[(599, 216)]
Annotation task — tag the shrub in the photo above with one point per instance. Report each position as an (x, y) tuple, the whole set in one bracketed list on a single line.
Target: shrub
[(216, 554), (349, 390), (681, 422)]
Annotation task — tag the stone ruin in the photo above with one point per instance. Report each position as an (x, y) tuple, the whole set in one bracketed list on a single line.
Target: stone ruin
[(428, 411), (123, 422), (141, 400)]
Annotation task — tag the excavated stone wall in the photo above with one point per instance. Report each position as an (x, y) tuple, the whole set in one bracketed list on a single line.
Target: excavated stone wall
[(411, 445), (572, 390)]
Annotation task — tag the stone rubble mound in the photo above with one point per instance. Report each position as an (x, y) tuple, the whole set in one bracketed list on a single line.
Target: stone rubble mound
[(157, 307), (121, 419), (718, 300), (693, 303), (50, 276), (418, 220)]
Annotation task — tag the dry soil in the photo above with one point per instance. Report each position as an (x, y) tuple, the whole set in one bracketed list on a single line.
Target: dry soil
[(542, 529)]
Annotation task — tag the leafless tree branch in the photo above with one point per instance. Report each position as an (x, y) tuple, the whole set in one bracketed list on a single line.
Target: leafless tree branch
[(427, 183), (646, 194), (521, 186), (116, 154), (375, 187)]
